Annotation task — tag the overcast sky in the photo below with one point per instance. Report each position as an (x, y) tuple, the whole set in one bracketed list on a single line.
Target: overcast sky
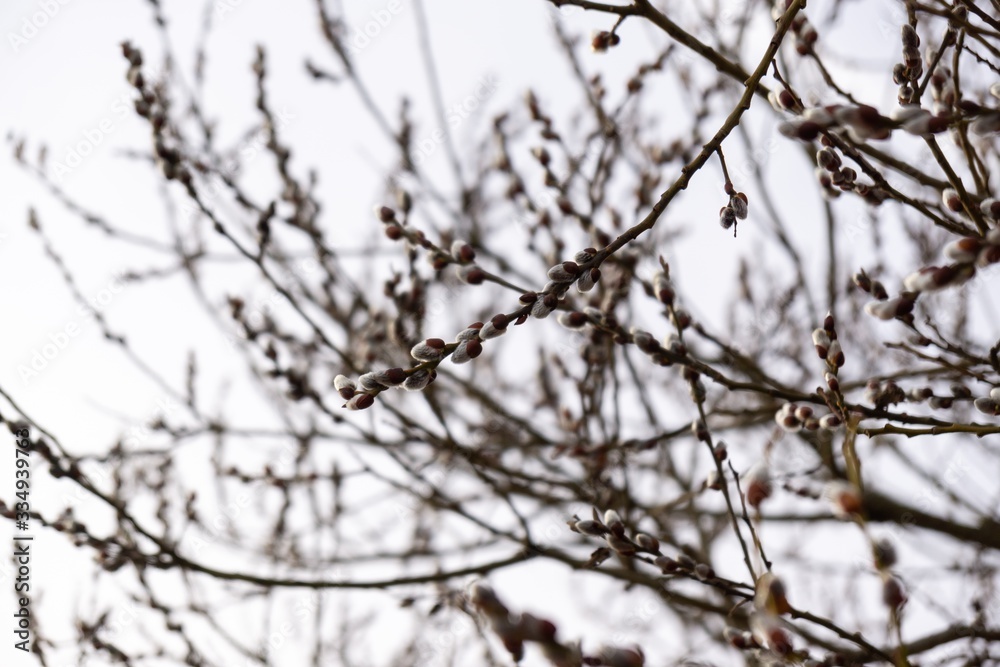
[(63, 80)]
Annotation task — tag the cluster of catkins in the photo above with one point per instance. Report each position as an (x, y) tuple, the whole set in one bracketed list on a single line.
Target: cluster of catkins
[(468, 344), (611, 528), (968, 255)]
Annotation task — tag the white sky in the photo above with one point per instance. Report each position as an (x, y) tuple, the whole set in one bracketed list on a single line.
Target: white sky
[(65, 87)]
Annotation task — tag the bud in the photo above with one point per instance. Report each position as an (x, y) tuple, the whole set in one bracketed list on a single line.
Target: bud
[(758, 485), (573, 319), (781, 100), (828, 159), (599, 556), (830, 422), (644, 341), (429, 350), (964, 250), (932, 278), (385, 214), (534, 629), (893, 308), (713, 480), (988, 406), (360, 402), (835, 356), (786, 419), (394, 232), (486, 601), (892, 593), (345, 386), (588, 280), (585, 255), (472, 331), (666, 564), (391, 377), (951, 200), (463, 252), (418, 380), (844, 498), (989, 255), (727, 217), (663, 288), (614, 523), (697, 390), (990, 208), (589, 527), (466, 351), (369, 383), (832, 382), (685, 562), (863, 122), (769, 595), (495, 328), (767, 631), (821, 339), (739, 204), (738, 638), (564, 273), (621, 545), (470, 274), (600, 42), (544, 306), (647, 543), (801, 129), (884, 554)]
